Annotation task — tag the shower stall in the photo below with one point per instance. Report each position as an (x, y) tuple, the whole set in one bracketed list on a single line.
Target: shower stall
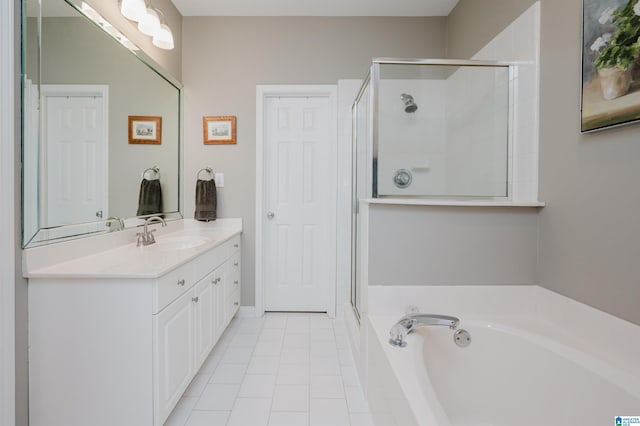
[(430, 130)]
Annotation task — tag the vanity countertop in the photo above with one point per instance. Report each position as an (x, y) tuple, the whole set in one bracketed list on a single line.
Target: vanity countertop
[(115, 255)]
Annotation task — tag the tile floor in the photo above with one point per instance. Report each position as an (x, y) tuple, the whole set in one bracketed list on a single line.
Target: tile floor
[(279, 370)]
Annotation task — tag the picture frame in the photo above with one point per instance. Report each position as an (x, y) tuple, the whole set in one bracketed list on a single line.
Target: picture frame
[(610, 92), (219, 130), (146, 130)]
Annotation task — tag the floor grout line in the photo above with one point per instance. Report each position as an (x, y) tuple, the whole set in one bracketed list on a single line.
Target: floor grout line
[(329, 332)]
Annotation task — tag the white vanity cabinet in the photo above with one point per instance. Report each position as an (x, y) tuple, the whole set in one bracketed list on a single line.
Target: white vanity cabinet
[(108, 351)]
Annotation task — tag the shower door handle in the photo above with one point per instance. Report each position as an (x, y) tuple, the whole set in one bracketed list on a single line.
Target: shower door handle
[(270, 215)]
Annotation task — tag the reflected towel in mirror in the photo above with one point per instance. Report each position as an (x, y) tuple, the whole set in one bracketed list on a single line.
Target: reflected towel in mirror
[(206, 200), (150, 198)]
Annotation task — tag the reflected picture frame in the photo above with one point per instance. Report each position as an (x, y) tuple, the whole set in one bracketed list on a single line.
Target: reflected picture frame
[(219, 130), (146, 130)]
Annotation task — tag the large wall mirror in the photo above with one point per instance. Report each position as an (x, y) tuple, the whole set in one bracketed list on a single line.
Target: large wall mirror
[(82, 91)]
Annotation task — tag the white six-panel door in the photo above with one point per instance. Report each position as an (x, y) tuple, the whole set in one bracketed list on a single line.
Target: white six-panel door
[(299, 202), (75, 186)]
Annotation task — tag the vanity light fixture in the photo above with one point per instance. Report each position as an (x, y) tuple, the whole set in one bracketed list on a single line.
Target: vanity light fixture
[(149, 22), (163, 37), (133, 9)]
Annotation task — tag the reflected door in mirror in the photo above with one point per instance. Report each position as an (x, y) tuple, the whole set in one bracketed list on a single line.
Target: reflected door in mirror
[(76, 186)]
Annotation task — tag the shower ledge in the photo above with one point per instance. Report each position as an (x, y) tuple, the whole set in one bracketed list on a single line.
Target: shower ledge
[(451, 203)]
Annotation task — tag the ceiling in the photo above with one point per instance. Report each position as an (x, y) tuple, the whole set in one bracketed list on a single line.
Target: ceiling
[(315, 7)]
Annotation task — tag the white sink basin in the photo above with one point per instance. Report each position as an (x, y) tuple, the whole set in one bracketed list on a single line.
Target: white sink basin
[(179, 242)]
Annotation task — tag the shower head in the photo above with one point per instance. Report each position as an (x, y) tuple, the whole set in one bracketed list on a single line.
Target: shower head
[(409, 104)]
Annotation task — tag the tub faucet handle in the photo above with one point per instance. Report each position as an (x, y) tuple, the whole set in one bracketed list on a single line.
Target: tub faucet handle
[(397, 336)]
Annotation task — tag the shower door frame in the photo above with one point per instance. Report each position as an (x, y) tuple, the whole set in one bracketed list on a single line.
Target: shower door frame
[(375, 81), (355, 198), (372, 80)]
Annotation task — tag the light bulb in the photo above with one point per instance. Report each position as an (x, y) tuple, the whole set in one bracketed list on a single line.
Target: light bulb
[(133, 9), (163, 38), (149, 24)]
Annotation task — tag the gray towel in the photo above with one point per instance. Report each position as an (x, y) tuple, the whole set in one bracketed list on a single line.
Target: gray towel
[(206, 200), (150, 198)]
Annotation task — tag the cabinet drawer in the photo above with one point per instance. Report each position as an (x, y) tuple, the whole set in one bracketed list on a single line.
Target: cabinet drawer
[(207, 262), (172, 285), (231, 246), (232, 304), (210, 260), (234, 244)]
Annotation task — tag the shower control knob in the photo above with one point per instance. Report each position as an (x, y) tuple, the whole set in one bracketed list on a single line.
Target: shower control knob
[(402, 178), (270, 215)]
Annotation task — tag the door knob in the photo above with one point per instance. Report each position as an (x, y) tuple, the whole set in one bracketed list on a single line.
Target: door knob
[(270, 215)]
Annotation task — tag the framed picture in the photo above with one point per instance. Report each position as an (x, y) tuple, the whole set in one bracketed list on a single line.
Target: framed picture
[(610, 63), (220, 130), (145, 130)]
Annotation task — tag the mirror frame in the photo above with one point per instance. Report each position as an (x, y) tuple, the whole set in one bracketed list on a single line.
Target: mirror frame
[(68, 232)]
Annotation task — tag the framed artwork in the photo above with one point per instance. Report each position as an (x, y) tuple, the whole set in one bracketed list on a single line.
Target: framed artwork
[(610, 63), (145, 130), (219, 130)]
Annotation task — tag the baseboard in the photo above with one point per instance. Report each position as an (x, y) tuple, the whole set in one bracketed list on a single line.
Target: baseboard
[(246, 312)]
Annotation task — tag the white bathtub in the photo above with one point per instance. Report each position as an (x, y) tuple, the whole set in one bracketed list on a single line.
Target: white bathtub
[(519, 370)]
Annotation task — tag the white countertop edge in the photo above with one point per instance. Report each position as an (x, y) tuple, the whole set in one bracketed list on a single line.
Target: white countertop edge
[(450, 203), (69, 260)]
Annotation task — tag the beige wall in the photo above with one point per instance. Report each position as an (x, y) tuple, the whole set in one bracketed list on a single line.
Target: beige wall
[(589, 236), (433, 245), (225, 58), (473, 23)]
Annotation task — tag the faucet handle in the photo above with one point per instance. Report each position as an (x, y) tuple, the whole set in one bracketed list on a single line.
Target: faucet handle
[(139, 238), (150, 238), (397, 336)]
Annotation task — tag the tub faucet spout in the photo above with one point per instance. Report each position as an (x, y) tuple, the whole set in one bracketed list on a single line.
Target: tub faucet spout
[(407, 323)]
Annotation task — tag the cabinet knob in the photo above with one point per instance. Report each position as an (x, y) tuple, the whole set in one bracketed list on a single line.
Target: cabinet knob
[(195, 299), (236, 245), (235, 282), (235, 263), (181, 282), (235, 303)]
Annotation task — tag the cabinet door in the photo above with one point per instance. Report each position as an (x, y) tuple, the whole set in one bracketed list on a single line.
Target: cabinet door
[(203, 304), (173, 355)]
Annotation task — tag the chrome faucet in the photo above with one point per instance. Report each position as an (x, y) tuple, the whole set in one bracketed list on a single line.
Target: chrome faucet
[(114, 223), (146, 237), (407, 323)]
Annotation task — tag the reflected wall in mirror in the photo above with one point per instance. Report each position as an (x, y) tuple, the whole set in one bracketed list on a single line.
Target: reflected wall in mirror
[(80, 87)]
